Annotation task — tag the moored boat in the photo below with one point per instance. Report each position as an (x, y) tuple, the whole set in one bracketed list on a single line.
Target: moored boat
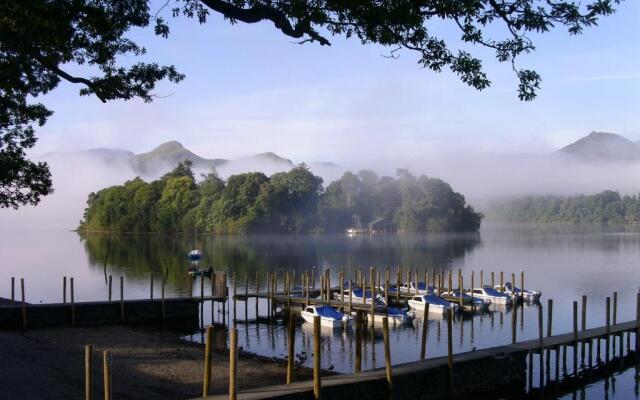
[(489, 293), (413, 288), (437, 304), (194, 255), (329, 316), (201, 272), (527, 295), (467, 300)]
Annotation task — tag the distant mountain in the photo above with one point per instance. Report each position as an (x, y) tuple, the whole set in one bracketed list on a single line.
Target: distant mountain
[(166, 156), (602, 147)]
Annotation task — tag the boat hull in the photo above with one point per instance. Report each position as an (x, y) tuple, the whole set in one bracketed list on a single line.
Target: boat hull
[(325, 322)]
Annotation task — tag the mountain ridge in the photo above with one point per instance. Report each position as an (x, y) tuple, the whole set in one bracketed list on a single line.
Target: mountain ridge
[(602, 147)]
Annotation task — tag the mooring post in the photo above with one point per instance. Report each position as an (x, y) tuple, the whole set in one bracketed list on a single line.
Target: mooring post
[(202, 290), (291, 354), (521, 287), (350, 297), (493, 283), (514, 319), (317, 385), (341, 281), (64, 289), (450, 350), (24, 305), (88, 372), (313, 277), (121, 299), (541, 341), (426, 280), (608, 328), (110, 285), (460, 288), (257, 293), (513, 289), (637, 323), (233, 365), (575, 324), (615, 308), (471, 290), (425, 327), (450, 282), (481, 279), (151, 287), (307, 287), (386, 286), (208, 350), (162, 300), (501, 280), (398, 283), (583, 325), (73, 305), (106, 374), (387, 355), (358, 361), (235, 286), (246, 296)]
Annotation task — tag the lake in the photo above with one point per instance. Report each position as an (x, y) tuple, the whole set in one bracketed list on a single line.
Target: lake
[(563, 261)]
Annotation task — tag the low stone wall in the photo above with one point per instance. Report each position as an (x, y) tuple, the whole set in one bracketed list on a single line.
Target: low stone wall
[(99, 313)]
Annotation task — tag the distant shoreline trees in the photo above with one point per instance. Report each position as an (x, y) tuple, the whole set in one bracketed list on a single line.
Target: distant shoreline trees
[(606, 207), (286, 202)]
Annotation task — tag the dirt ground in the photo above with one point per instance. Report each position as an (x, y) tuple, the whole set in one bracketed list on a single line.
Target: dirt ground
[(146, 364)]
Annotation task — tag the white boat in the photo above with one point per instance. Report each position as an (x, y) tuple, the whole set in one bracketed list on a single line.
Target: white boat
[(437, 305), (329, 316), (489, 293), (395, 316), (468, 301), (194, 255), (529, 295), (411, 287), (358, 296)]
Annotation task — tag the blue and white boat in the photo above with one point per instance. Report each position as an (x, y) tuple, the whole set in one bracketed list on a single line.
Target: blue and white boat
[(437, 304), (528, 295), (329, 316), (412, 288), (358, 296), (467, 301), (489, 293), (194, 255)]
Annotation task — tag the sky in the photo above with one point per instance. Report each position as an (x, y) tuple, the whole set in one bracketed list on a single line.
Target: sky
[(250, 89)]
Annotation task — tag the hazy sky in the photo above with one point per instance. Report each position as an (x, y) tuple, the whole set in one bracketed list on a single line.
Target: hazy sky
[(251, 89)]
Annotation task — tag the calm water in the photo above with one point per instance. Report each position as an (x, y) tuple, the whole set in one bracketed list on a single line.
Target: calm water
[(565, 262)]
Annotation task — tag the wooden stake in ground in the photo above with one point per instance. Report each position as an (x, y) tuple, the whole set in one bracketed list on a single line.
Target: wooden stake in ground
[(233, 365), (387, 355), (292, 343), (317, 385), (208, 348), (106, 369), (88, 372)]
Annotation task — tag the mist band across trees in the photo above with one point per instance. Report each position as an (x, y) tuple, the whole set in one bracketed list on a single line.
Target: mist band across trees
[(287, 202)]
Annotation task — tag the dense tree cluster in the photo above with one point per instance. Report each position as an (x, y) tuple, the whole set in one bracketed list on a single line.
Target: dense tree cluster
[(286, 202), (604, 207)]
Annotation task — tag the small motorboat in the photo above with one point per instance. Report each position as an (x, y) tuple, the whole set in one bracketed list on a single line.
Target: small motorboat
[(194, 255), (467, 301), (489, 293), (411, 287), (528, 295), (437, 304), (201, 272), (358, 294), (329, 316)]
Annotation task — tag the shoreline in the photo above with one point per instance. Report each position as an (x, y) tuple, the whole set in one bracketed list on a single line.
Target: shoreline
[(147, 363)]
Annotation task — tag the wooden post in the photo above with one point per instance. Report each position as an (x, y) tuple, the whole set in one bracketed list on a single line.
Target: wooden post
[(608, 328), (471, 288), (64, 289), (106, 369), (386, 286), (513, 288), (549, 316), (501, 280), (13, 290), (257, 293), (208, 349), (637, 322), (584, 313), (73, 305), (364, 292), (313, 277), (387, 355), (110, 285), (575, 323), (615, 308), (235, 287), (350, 297), (24, 305), (492, 279), (521, 286), (450, 349), (162, 300), (151, 287), (358, 362), (540, 331), (481, 279), (88, 372), (317, 385), (291, 354), (425, 327), (307, 287), (460, 286), (514, 318), (398, 283), (121, 298), (246, 296), (233, 365), (450, 284)]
